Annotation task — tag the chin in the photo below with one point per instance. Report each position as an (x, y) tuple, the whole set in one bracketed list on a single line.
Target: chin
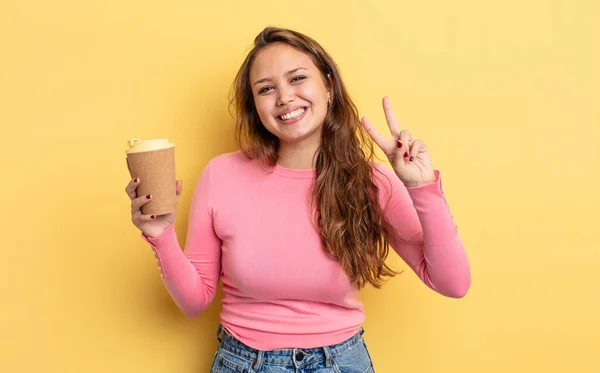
[(299, 132)]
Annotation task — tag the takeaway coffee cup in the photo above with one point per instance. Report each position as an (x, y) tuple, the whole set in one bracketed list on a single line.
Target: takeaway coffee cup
[(153, 161)]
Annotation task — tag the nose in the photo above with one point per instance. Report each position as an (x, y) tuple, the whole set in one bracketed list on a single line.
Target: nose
[(286, 95)]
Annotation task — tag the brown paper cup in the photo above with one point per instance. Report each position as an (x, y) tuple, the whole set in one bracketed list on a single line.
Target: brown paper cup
[(156, 170)]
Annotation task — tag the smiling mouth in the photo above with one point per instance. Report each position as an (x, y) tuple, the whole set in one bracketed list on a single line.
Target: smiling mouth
[(292, 115)]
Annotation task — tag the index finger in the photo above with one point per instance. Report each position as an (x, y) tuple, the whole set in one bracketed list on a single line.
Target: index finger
[(390, 117), (130, 189), (379, 139)]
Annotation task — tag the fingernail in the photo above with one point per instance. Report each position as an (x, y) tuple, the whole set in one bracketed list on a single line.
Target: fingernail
[(406, 154), (399, 144), (148, 196), (153, 217), (411, 159)]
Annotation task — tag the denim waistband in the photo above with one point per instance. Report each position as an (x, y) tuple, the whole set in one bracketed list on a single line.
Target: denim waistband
[(286, 356)]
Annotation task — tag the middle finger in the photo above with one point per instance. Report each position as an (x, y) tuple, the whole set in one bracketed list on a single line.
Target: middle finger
[(390, 117), (137, 203)]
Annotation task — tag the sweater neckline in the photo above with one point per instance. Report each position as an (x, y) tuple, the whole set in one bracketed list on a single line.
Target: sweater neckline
[(295, 173)]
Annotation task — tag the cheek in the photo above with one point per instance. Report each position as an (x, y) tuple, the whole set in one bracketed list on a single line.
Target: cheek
[(316, 94), (310, 93), (263, 107)]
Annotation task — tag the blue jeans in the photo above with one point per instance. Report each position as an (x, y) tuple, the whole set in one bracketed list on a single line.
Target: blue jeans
[(350, 356)]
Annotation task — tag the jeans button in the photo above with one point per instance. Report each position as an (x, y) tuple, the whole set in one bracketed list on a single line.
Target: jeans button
[(300, 356)]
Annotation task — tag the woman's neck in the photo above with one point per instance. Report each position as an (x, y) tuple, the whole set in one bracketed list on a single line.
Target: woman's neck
[(300, 156)]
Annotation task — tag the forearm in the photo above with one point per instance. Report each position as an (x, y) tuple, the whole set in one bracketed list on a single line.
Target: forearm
[(189, 280), (444, 265)]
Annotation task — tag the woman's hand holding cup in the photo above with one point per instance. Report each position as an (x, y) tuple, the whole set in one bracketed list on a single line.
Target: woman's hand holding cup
[(149, 225)]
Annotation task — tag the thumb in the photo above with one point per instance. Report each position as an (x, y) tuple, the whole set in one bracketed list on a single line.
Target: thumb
[(179, 189)]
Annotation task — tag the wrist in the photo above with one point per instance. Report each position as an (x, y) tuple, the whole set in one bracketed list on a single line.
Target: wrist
[(421, 183)]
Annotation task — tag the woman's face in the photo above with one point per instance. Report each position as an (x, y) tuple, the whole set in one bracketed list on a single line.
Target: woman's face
[(289, 94)]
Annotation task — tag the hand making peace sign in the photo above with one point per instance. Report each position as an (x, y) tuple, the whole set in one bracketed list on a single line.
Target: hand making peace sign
[(408, 156)]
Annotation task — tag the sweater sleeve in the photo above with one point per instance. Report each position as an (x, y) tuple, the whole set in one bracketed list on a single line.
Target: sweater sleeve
[(427, 238), (191, 276)]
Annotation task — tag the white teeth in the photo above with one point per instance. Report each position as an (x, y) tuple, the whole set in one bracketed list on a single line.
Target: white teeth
[(293, 114)]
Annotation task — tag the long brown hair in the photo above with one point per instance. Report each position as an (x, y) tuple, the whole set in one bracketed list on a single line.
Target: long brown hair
[(352, 225)]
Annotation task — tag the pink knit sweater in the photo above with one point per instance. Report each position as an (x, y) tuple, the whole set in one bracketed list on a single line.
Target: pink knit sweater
[(252, 229)]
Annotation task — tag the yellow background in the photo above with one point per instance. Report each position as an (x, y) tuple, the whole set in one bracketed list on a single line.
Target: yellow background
[(506, 95)]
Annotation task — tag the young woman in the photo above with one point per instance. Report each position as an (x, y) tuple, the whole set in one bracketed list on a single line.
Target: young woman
[(300, 219)]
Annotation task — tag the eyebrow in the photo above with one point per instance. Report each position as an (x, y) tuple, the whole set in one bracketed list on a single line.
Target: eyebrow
[(288, 73)]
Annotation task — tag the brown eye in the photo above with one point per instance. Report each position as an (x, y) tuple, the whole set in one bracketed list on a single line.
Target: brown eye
[(264, 89)]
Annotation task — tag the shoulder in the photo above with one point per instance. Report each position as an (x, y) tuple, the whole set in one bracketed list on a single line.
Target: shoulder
[(227, 160), (391, 188), (384, 176), (229, 166)]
